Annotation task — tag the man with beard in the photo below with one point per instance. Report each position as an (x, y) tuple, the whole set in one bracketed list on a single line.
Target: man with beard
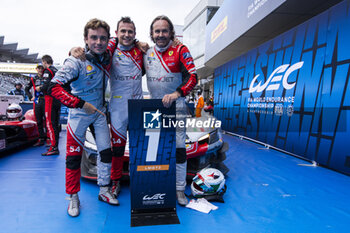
[(171, 75)]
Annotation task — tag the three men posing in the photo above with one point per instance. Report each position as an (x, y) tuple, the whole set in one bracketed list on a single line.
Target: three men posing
[(86, 98)]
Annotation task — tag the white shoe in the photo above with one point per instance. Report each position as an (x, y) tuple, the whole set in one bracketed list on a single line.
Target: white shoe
[(115, 190), (106, 196), (181, 198), (73, 207)]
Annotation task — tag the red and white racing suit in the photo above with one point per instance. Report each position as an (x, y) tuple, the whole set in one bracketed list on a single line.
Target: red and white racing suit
[(126, 83), (86, 82), (169, 71), (52, 109)]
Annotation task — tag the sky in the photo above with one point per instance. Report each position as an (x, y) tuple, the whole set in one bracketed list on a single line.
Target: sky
[(54, 27)]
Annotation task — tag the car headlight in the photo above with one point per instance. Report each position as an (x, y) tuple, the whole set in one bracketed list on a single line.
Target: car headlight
[(214, 137), (203, 139)]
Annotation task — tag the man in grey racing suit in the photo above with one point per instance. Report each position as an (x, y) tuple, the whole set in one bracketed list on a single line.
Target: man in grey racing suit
[(87, 80), (171, 75)]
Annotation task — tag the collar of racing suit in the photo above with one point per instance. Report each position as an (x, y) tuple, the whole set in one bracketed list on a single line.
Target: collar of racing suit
[(165, 48), (125, 48)]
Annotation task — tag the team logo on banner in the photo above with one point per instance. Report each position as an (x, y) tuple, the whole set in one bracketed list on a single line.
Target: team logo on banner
[(152, 120)]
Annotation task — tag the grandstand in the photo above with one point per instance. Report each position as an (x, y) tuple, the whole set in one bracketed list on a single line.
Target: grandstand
[(16, 65), (10, 53)]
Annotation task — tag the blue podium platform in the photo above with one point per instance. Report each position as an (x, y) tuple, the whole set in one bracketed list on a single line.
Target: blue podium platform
[(268, 191)]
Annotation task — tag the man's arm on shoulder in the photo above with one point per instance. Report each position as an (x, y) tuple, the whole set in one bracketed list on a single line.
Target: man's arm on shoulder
[(78, 52), (112, 45)]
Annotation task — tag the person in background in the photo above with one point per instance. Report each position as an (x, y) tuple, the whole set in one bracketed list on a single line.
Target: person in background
[(38, 102), (209, 108), (52, 106), (200, 104), (18, 91)]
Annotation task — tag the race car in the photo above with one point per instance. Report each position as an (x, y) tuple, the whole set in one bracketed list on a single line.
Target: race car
[(16, 132), (204, 147)]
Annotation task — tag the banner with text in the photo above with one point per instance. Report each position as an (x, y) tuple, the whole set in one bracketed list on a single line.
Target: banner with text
[(293, 92)]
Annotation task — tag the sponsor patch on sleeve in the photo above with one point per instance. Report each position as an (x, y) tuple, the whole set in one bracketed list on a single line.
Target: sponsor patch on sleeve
[(186, 55)]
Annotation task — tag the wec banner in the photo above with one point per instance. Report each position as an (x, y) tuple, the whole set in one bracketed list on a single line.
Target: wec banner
[(152, 164), (293, 92)]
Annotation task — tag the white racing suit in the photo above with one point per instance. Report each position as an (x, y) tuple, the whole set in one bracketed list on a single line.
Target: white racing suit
[(169, 71), (126, 83), (86, 82)]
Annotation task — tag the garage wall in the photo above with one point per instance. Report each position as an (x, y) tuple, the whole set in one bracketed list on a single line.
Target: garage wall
[(293, 92)]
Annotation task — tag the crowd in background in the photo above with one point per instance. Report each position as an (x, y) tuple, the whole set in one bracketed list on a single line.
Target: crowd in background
[(8, 81)]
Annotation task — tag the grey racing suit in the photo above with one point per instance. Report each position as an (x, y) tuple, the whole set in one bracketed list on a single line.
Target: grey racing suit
[(126, 83), (86, 82), (168, 70)]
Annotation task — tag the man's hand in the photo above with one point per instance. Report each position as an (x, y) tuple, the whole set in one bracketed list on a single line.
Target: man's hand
[(32, 99), (78, 52), (143, 46), (170, 98), (176, 42), (90, 109), (38, 88)]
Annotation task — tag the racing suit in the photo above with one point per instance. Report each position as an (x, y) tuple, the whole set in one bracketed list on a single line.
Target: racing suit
[(86, 80), (38, 104), (125, 83), (168, 70), (18, 92), (52, 108)]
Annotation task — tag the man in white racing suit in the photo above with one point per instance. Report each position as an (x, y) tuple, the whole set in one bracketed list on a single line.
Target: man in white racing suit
[(126, 83), (171, 75)]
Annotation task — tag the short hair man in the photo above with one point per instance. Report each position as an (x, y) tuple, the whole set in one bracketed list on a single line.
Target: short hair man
[(175, 64), (87, 81), (38, 102), (126, 83), (52, 106), (18, 91)]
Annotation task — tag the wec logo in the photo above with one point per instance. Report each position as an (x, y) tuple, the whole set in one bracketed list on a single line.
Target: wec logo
[(157, 196), (274, 81)]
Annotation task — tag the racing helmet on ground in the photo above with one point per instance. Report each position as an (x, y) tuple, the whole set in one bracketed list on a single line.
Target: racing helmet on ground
[(14, 112), (209, 182)]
